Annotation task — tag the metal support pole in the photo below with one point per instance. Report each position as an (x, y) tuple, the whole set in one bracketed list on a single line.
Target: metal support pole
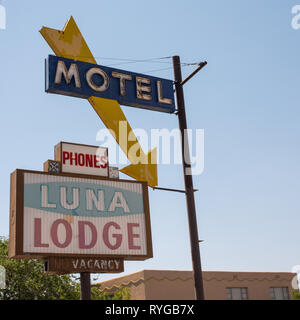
[(85, 286), (188, 181), (201, 65), (168, 189)]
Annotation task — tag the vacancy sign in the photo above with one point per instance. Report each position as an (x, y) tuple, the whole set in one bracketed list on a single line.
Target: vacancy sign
[(72, 215), (83, 159)]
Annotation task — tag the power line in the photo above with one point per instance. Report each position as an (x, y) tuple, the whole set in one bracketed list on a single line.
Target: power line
[(130, 61), (158, 70), (125, 61), (183, 65), (133, 60)]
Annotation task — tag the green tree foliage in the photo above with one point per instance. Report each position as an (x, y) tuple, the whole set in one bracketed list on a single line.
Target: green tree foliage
[(26, 280), (120, 294), (296, 295)]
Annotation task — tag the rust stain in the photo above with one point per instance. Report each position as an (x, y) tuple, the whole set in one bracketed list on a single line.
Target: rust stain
[(69, 218)]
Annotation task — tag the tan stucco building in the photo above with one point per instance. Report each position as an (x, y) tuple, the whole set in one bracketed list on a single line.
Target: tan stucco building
[(218, 285)]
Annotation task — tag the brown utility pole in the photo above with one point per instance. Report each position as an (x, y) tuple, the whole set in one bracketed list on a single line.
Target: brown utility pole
[(85, 286), (188, 178)]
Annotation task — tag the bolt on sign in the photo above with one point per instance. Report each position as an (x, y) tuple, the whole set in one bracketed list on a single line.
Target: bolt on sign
[(75, 215)]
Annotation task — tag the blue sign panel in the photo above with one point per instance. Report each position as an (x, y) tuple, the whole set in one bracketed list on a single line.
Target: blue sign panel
[(84, 80)]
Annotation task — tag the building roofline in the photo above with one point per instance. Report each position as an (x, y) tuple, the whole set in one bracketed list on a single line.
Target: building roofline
[(141, 276)]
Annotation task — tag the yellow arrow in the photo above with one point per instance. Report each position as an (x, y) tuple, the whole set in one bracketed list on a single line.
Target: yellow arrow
[(69, 43)]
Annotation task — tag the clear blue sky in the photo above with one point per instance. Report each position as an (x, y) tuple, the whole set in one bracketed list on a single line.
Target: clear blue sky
[(246, 99)]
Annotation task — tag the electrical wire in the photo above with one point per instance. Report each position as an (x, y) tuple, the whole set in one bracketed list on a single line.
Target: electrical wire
[(130, 61), (125, 61), (163, 69)]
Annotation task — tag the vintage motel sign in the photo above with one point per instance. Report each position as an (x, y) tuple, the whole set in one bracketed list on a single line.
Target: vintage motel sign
[(84, 80), (63, 265), (80, 158), (83, 159), (70, 44), (78, 216)]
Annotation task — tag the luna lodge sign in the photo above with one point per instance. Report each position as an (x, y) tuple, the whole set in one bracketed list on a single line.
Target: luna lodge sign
[(68, 215), (77, 215), (74, 215)]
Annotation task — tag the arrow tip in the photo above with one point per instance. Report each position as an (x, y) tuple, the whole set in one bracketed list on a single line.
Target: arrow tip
[(144, 171)]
